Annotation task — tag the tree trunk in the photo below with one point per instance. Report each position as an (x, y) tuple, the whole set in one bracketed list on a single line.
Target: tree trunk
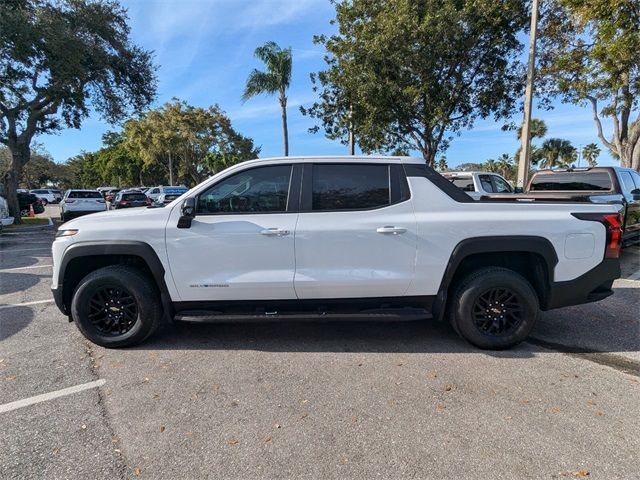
[(19, 157), (429, 156), (170, 169), (285, 130)]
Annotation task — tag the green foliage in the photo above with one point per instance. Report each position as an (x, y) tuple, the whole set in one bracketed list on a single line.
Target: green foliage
[(406, 74), (556, 152), (275, 79), (58, 60), (590, 153), (589, 55), (190, 142)]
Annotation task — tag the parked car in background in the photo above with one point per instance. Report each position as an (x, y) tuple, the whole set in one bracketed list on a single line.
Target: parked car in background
[(154, 192), (47, 195), (593, 184), (129, 199), (5, 218), (165, 199), (81, 202), (477, 184), (28, 200)]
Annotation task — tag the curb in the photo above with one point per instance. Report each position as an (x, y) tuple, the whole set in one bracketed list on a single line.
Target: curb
[(35, 228)]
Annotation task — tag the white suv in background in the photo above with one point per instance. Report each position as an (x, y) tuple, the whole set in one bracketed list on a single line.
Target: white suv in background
[(81, 202), (477, 184), (154, 192), (47, 195)]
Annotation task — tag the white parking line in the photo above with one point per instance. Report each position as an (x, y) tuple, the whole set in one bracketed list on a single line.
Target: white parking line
[(27, 249), (37, 302), (7, 407), (24, 268)]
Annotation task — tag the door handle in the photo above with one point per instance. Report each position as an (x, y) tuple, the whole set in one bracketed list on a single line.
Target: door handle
[(274, 232), (391, 229)]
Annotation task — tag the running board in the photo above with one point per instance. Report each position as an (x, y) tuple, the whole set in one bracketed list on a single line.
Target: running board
[(377, 315)]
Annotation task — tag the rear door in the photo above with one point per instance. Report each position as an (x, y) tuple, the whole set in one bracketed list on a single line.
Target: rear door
[(632, 217), (356, 232)]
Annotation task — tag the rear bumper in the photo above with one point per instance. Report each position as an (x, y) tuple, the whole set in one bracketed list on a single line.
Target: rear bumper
[(593, 286)]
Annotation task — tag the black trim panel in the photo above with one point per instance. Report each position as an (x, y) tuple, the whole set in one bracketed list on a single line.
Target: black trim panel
[(299, 306), (493, 244), (590, 287), (422, 170), (109, 247)]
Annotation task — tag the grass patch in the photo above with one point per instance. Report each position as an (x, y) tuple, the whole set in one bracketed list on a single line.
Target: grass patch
[(29, 222)]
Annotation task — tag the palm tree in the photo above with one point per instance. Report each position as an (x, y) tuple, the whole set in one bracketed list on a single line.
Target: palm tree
[(590, 153), (537, 129), (504, 165), (490, 166), (441, 165), (557, 152), (275, 80)]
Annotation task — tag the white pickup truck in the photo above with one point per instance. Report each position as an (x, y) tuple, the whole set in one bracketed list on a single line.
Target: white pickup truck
[(333, 238)]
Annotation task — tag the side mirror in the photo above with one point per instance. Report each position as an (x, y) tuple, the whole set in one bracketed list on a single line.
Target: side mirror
[(635, 194), (518, 190), (188, 212)]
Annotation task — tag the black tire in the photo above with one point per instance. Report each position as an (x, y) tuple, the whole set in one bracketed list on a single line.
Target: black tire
[(494, 308), (62, 219), (134, 322), (44, 202)]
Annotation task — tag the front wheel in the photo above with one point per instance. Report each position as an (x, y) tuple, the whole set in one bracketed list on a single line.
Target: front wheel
[(116, 306), (494, 308)]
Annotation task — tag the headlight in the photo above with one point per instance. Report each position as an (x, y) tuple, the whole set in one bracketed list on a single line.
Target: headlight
[(66, 233)]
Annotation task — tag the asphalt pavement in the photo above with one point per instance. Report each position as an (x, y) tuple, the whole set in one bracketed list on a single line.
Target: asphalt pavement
[(315, 400)]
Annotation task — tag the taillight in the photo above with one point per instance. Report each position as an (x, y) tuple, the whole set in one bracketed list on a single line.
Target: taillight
[(613, 224), (614, 235), (123, 202)]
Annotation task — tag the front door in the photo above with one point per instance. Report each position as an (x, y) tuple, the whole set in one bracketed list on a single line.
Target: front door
[(356, 234), (240, 245)]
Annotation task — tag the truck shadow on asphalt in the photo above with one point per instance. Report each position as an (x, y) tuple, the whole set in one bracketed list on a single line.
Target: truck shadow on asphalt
[(11, 282), (14, 320)]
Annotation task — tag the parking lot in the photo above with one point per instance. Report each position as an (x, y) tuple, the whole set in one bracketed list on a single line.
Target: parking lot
[(314, 400)]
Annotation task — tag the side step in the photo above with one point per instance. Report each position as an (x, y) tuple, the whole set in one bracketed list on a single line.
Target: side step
[(374, 315)]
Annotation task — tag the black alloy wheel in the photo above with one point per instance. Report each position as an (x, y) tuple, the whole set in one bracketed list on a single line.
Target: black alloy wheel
[(497, 311), (112, 310)]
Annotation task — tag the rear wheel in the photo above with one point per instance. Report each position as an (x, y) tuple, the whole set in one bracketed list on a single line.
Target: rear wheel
[(116, 306), (494, 308)]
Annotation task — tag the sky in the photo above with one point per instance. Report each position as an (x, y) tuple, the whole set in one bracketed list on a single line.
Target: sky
[(204, 49)]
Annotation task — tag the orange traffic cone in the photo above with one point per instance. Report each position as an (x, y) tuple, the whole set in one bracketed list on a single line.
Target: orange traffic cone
[(31, 212)]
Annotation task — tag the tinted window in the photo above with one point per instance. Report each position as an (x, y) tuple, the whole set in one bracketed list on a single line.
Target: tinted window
[(350, 187), (464, 183), (85, 194), (572, 181), (135, 197), (500, 186), (485, 183), (627, 182), (636, 179), (262, 189)]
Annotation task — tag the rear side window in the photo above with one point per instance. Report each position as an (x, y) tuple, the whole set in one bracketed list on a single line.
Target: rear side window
[(485, 183), (572, 181), (463, 183), (84, 195), (350, 187)]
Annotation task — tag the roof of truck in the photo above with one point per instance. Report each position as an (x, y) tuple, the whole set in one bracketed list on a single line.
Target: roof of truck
[(344, 158)]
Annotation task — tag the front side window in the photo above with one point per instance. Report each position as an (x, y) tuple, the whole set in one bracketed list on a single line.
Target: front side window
[(257, 190), (350, 187), (500, 185), (627, 182)]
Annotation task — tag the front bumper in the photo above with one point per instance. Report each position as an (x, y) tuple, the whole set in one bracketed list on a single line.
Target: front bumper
[(593, 286), (57, 297)]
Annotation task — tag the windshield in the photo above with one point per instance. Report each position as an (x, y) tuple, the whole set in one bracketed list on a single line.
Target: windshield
[(84, 194), (572, 181)]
